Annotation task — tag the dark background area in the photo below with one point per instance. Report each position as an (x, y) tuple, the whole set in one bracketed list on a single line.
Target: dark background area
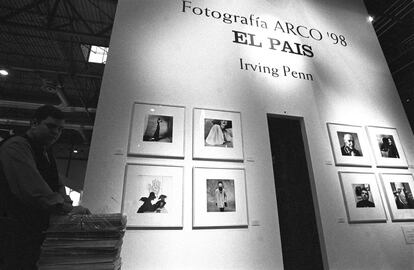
[(394, 25), (301, 248)]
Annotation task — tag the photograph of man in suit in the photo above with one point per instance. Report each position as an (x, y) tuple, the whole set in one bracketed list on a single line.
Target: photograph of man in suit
[(348, 148)]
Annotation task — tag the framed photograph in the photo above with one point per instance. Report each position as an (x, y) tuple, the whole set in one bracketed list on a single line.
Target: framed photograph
[(387, 148), (399, 190), (349, 145), (217, 135), (362, 197), (153, 196), (219, 198), (157, 130)]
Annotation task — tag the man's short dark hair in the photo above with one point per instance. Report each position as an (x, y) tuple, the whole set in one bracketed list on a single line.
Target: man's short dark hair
[(45, 111)]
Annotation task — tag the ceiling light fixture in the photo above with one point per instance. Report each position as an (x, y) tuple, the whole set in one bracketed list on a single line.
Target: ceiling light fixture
[(4, 72), (370, 19)]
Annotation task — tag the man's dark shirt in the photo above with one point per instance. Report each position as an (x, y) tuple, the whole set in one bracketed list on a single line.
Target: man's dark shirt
[(365, 203), (346, 151), (29, 182)]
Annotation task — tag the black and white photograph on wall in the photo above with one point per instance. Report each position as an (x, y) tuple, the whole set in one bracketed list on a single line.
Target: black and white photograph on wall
[(158, 129), (220, 195), (218, 133), (387, 147), (403, 195), (350, 145), (153, 195), (363, 195), (399, 187), (155, 187)]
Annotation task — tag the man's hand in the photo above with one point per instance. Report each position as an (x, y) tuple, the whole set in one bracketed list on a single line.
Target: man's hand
[(67, 199), (62, 208)]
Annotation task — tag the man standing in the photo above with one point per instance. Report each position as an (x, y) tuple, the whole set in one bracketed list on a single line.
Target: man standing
[(348, 149), (221, 196), (30, 188)]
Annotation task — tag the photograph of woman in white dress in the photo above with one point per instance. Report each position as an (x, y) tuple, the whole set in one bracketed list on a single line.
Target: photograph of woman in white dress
[(218, 132)]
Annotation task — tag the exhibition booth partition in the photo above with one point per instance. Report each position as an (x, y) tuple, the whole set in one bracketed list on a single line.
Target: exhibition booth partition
[(181, 140)]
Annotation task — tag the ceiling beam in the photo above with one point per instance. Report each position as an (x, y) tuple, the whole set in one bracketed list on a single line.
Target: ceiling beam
[(51, 14), (32, 56), (106, 30), (80, 75), (18, 11), (34, 106), (394, 14), (111, 18), (26, 123), (102, 42), (402, 67), (105, 38), (80, 17)]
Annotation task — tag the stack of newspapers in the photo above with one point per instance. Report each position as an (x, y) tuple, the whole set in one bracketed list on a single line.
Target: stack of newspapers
[(83, 242)]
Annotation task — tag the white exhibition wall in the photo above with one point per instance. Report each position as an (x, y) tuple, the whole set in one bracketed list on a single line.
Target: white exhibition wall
[(181, 53)]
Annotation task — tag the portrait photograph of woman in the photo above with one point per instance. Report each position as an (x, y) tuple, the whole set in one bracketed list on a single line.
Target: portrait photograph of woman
[(387, 146), (217, 135), (158, 129), (218, 132)]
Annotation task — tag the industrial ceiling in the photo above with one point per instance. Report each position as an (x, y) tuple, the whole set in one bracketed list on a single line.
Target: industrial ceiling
[(41, 47)]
